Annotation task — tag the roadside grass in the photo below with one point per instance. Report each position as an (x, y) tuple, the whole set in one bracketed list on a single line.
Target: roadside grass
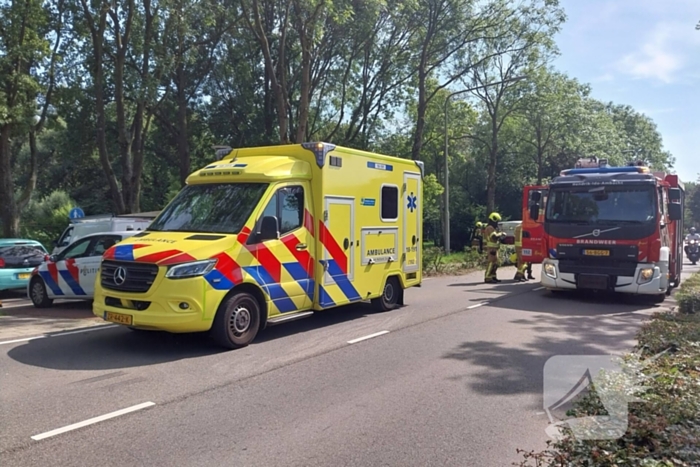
[(664, 427), (437, 263)]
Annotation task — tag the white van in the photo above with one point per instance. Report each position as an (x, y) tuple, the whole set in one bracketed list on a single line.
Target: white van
[(79, 228)]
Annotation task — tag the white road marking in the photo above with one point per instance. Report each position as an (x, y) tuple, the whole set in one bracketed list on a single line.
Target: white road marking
[(376, 334), (477, 305), (77, 331), (538, 288), (24, 339), (92, 421)]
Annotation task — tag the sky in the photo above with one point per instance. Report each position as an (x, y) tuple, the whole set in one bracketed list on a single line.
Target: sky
[(644, 53)]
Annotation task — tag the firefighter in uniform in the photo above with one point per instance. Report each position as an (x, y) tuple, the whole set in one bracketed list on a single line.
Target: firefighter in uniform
[(520, 265), (493, 244), (478, 237)]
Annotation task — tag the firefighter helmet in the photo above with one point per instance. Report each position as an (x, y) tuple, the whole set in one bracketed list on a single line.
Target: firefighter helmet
[(495, 217)]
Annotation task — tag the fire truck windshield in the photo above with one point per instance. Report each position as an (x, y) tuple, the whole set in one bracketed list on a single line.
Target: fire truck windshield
[(602, 205)]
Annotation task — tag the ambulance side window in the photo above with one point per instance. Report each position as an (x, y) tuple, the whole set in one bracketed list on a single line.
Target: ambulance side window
[(389, 203), (287, 205), (291, 208)]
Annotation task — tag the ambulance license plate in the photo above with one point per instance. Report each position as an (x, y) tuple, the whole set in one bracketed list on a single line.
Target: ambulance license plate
[(24, 275), (596, 252), (118, 318)]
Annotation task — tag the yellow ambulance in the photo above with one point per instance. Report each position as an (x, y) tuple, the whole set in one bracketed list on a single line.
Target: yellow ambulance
[(266, 235)]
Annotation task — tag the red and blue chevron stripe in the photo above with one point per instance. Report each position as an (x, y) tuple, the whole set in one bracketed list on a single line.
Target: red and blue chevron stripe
[(337, 268)]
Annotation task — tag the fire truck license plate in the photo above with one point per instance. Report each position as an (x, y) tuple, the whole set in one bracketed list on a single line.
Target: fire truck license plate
[(596, 252)]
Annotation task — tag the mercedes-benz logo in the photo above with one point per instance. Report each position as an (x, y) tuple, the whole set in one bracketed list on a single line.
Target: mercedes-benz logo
[(119, 276), (596, 232)]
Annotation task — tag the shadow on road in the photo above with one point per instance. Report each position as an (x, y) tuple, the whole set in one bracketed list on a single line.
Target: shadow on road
[(117, 348), (570, 325)]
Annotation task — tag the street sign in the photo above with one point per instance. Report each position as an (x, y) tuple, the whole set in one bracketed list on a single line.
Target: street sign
[(76, 213)]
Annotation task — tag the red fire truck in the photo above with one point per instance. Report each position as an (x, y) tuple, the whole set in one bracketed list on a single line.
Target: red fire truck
[(599, 227)]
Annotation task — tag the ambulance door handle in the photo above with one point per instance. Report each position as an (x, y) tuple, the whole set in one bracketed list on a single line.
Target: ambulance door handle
[(346, 244), (413, 240), (301, 246)]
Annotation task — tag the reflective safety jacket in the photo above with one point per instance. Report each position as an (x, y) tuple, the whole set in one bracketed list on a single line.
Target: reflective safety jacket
[(492, 236), (518, 236)]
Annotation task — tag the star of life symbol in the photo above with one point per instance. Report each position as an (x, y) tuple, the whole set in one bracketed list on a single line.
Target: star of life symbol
[(616, 381), (412, 202)]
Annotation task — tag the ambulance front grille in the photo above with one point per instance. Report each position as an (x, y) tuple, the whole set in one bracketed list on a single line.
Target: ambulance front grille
[(133, 277)]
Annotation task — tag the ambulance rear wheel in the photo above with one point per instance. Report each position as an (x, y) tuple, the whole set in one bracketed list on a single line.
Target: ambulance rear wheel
[(237, 321), (390, 296), (37, 292)]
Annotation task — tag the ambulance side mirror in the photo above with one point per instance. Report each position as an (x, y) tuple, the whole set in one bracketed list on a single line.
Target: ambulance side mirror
[(269, 229)]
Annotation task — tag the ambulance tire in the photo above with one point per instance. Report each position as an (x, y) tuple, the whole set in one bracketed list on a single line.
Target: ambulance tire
[(390, 295), (237, 321), (38, 295)]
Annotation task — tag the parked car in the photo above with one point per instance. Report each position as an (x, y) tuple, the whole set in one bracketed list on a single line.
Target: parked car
[(18, 257), (72, 273)]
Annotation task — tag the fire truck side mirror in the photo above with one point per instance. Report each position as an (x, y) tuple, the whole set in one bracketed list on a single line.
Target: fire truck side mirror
[(535, 196), (675, 213), (675, 208), (535, 211)]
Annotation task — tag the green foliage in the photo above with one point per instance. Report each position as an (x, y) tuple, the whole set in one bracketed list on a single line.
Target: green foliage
[(688, 296), (664, 427), (45, 220), (380, 70)]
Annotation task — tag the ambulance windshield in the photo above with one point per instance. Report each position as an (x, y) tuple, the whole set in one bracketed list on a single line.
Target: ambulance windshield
[(602, 205), (213, 207)]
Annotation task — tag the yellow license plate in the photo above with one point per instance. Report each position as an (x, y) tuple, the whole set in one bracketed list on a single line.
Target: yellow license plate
[(24, 275), (118, 318), (596, 252)]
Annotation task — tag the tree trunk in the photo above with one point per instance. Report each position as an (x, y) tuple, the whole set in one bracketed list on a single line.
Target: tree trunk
[(124, 136), (303, 121), (493, 160), (182, 140), (8, 207), (420, 121)]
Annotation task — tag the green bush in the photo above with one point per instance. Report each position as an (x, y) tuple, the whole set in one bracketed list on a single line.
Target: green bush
[(44, 220), (688, 297)]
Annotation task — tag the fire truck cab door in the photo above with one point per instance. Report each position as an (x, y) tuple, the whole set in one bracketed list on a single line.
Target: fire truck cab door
[(534, 247)]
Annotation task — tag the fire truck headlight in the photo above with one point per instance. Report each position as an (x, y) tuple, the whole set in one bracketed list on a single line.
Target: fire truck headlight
[(645, 275), (550, 270)]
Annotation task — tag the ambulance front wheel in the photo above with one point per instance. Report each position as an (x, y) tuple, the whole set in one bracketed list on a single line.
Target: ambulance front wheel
[(37, 292), (390, 296), (237, 321)]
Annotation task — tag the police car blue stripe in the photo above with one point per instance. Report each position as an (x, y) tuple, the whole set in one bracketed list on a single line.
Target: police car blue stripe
[(48, 280), (72, 283)]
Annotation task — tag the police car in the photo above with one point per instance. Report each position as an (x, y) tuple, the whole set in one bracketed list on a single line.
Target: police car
[(72, 273)]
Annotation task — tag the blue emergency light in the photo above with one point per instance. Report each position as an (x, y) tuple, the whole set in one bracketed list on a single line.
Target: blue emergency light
[(605, 170)]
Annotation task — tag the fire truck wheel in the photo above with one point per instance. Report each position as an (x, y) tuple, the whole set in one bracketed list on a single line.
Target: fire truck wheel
[(37, 292), (237, 321), (390, 296)]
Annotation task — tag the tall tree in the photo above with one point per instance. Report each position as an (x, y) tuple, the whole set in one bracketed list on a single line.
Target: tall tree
[(30, 46), (127, 75), (526, 42)]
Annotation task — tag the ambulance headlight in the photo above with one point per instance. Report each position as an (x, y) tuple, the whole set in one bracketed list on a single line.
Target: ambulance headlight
[(192, 269), (550, 270), (645, 275)]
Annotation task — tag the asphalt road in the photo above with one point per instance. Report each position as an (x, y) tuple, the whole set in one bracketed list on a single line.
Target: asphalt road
[(456, 380)]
